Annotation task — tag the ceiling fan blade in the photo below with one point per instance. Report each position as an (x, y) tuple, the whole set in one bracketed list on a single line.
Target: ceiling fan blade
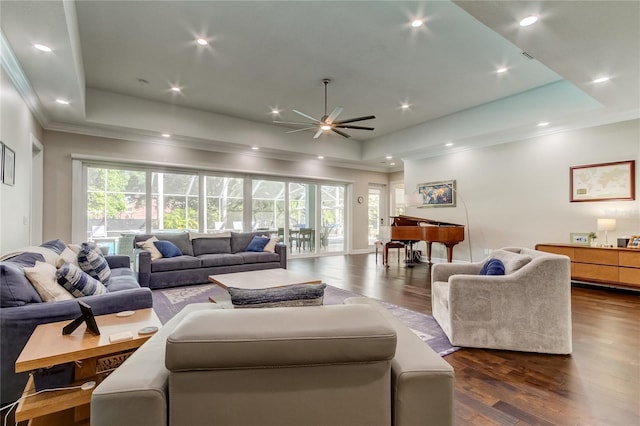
[(352, 120), (300, 130), (318, 133), (343, 134), (306, 116), (292, 122), (341, 126), (334, 114)]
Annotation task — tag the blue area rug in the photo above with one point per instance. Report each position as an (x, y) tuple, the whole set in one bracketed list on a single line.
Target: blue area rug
[(168, 302)]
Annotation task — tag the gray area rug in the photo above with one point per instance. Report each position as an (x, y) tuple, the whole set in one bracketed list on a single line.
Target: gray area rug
[(168, 302)]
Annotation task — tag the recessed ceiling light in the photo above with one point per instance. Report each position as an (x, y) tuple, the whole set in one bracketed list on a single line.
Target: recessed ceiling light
[(62, 101), (275, 111), (392, 164), (543, 123), (388, 157), (448, 144), (42, 47), (417, 23), (404, 106), (529, 20), (501, 70), (320, 157), (202, 42), (600, 80), (255, 148), (166, 135), (176, 89)]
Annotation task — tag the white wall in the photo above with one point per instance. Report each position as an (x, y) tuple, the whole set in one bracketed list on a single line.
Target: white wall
[(17, 125), (518, 193), (60, 146)]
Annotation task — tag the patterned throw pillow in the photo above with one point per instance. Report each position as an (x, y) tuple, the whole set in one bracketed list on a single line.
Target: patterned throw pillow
[(77, 282), (93, 263)]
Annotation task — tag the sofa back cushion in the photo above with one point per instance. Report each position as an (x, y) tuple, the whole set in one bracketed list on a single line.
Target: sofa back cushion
[(181, 240), (241, 240), (212, 245), (15, 288)]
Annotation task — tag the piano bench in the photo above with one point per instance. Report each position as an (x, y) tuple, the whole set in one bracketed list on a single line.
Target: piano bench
[(390, 245)]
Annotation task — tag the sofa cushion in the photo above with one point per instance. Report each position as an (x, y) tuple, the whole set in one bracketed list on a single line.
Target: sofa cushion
[(492, 267), (512, 261), (257, 244), (167, 248), (213, 245), (240, 241), (77, 282), (121, 279), (15, 288), (67, 256), (259, 257), (56, 245), (213, 234), (271, 245), (221, 259), (175, 263), (93, 263), (43, 278), (290, 295)]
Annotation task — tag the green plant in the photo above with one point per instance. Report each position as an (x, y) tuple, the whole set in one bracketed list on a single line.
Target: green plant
[(592, 236)]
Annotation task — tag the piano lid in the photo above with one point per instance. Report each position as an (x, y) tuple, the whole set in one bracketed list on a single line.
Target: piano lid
[(415, 221)]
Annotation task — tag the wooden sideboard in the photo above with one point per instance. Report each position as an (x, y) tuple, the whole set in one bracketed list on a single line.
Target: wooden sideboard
[(619, 267)]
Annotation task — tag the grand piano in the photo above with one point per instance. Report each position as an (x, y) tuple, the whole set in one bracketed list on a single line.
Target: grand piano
[(411, 229)]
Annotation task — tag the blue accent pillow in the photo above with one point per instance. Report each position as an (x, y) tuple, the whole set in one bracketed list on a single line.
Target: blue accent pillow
[(167, 248), (492, 267), (258, 243)]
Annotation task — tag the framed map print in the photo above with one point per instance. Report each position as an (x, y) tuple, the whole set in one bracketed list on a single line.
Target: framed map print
[(603, 182)]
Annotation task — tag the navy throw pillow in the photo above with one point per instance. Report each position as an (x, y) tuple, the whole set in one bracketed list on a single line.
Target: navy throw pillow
[(492, 267), (167, 248), (258, 243)]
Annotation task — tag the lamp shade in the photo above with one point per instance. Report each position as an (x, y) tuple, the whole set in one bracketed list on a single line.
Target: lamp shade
[(606, 224)]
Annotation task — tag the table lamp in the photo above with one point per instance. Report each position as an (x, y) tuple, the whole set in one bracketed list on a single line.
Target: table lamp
[(606, 225)]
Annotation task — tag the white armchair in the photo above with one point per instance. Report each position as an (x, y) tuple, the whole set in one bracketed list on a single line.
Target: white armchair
[(527, 309)]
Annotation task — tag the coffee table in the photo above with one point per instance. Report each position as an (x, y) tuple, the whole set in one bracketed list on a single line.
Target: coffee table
[(258, 280), (95, 357)]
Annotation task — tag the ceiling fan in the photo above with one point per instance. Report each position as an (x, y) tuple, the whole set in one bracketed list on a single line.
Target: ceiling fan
[(328, 122)]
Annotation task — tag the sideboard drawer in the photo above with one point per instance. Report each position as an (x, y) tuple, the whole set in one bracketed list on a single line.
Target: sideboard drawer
[(596, 255), (630, 258), (630, 276), (589, 271)]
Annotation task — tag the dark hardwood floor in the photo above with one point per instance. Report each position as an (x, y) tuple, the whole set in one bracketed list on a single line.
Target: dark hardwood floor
[(598, 384)]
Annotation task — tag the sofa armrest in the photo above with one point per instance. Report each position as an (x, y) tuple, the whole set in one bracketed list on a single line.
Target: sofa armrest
[(442, 271), (136, 393), (142, 266), (281, 249), (118, 261), (422, 381)]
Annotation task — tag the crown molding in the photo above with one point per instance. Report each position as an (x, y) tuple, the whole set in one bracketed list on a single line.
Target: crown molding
[(12, 67)]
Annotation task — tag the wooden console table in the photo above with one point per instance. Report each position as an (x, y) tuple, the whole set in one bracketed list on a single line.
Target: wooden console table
[(615, 266)]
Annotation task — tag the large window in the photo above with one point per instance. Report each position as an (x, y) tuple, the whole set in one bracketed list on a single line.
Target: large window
[(121, 201)]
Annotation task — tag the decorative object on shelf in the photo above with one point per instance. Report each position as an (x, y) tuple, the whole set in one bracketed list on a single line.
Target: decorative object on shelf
[(603, 182), (438, 194), (592, 238), (8, 165), (580, 238), (623, 241), (634, 242), (606, 225)]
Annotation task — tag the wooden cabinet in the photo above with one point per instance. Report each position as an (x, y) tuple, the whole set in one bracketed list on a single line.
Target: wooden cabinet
[(615, 266)]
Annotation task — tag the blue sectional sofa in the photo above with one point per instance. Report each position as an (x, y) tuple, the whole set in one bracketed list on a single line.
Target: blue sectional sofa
[(22, 308), (203, 255)]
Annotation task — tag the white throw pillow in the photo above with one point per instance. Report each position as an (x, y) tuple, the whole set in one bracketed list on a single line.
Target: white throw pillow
[(67, 256), (150, 247), (271, 245), (43, 279)]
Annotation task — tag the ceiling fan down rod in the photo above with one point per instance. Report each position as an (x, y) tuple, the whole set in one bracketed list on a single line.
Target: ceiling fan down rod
[(325, 81)]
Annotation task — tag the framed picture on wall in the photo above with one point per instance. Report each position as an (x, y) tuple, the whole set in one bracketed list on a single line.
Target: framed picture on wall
[(438, 194), (8, 165), (579, 238), (603, 182)]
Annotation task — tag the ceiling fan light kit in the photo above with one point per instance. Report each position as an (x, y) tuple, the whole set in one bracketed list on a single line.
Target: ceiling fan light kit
[(328, 122)]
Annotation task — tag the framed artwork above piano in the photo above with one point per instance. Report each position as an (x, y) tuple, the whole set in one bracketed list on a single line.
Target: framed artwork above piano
[(438, 194)]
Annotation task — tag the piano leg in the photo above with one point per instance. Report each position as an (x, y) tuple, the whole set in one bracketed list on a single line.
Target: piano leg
[(449, 251), (428, 251)]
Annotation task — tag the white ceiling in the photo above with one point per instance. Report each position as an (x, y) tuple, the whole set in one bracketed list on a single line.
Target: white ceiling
[(269, 54)]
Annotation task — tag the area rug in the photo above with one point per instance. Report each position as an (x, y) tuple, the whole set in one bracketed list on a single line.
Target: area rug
[(168, 302)]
